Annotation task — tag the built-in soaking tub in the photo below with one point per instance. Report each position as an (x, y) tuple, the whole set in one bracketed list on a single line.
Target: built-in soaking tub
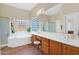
[(19, 39)]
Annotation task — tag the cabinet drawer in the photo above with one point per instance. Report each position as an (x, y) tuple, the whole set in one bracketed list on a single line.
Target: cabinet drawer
[(38, 38), (45, 40), (45, 50), (45, 44)]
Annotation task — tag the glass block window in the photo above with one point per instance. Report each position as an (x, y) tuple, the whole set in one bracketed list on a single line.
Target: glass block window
[(35, 24), (21, 24)]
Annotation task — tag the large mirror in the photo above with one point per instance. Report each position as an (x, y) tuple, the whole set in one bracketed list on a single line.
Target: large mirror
[(50, 20)]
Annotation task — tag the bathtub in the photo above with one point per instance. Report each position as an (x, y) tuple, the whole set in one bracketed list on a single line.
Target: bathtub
[(19, 39)]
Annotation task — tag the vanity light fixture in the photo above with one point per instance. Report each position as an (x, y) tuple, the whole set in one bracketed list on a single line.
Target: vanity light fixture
[(39, 12)]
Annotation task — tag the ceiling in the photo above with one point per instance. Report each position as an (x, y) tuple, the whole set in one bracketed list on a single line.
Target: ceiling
[(25, 6), (29, 6), (53, 10)]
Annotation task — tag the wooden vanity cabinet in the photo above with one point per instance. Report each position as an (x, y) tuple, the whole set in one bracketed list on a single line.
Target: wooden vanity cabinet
[(69, 50), (45, 46), (34, 37), (55, 48), (51, 47)]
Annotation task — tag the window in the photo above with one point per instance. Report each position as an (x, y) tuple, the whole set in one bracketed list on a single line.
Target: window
[(35, 24), (21, 24)]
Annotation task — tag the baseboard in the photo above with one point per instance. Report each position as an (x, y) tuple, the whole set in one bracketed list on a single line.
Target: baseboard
[(1, 46)]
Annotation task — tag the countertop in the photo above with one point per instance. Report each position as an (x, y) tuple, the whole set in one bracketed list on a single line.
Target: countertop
[(59, 37)]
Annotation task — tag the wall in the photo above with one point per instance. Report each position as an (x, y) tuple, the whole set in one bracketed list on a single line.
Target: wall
[(68, 8), (11, 12)]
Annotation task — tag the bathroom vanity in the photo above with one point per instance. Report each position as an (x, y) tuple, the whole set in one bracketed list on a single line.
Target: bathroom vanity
[(57, 44)]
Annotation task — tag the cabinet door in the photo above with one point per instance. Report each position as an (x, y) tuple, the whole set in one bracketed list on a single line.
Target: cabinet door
[(55, 48), (75, 51), (69, 50), (45, 46), (33, 38)]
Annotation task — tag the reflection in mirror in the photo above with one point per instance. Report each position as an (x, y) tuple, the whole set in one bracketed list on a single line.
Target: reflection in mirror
[(72, 24), (49, 26)]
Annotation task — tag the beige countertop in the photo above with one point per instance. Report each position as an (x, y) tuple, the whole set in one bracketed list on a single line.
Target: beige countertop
[(59, 37)]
